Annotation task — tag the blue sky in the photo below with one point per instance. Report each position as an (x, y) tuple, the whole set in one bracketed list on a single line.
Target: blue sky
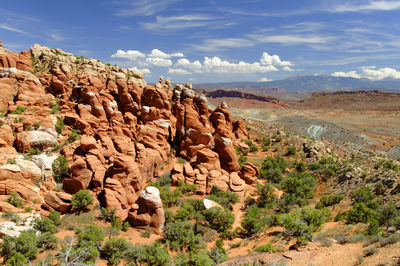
[(216, 41)]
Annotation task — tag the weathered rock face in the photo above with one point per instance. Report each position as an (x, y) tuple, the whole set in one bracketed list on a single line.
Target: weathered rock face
[(249, 173), (118, 132), (148, 210)]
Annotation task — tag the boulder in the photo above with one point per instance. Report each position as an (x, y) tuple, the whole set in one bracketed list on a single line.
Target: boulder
[(35, 139), (59, 201), (249, 173), (149, 211), (236, 184)]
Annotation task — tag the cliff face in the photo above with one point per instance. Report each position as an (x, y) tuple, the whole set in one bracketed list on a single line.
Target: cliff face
[(115, 131), (243, 95)]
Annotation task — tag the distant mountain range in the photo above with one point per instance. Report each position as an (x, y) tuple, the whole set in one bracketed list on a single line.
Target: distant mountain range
[(306, 84)]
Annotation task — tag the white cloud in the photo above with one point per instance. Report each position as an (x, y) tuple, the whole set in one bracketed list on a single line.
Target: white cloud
[(161, 54), (287, 68), (195, 66), (267, 59), (350, 74), (371, 73), (158, 61), (216, 65), (180, 22), (5, 27), (144, 71), (212, 45), (288, 39), (178, 71), (370, 6), (129, 54), (144, 7), (264, 79)]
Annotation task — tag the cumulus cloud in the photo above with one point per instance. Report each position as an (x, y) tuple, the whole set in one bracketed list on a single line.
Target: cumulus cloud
[(144, 71), (371, 73), (370, 6), (132, 55), (178, 71), (264, 79), (267, 59), (183, 66), (158, 61)]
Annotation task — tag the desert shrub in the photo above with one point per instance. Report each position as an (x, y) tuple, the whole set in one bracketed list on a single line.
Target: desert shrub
[(266, 195), (78, 253), (169, 197), (242, 160), (17, 259), (15, 200), (114, 250), (273, 168), (326, 166), (60, 169), (298, 187), (152, 255), (360, 213), (90, 235), (59, 127), (162, 182), (224, 198), (28, 209), (181, 160), (55, 106), (341, 239), (186, 189), (218, 253), (74, 135), (363, 195), (19, 110), (252, 146), (392, 239), (47, 240), (54, 216), (146, 233), (186, 212), (291, 150), (81, 200), (390, 165), (301, 167), (197, 204), (266, 248), (25, 244), (254, 221), (45, 225), (33, 151), (219, 219), (106, 215), (180, 235), (326, 201), (125, 226), (370, 251), (200, 259), (302, 223)]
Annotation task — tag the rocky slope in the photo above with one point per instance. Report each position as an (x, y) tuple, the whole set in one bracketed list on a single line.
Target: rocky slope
[(265, 101), (115, 131)]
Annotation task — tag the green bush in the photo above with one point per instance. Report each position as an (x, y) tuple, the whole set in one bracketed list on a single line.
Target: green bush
[(218, 253), (81, 200), (254, 221), (90, 235), (298, 187), (252, 146), (16, 200), (302, 223), (169, 197), (54, 216), (146, 233), (114, 250), (266, 196), (59, 127), (225, 198), (186, 212), (242, 160), (273, 168), (291, 150), (74, 135), (25, 243), (331, 200), (219, 219), (60, 169), (266, 248), (17, 259), (180, 235), (45, 225), (326, 166), (301, 167), (47, 240), (153, 255), (19, 110), (200, 259)]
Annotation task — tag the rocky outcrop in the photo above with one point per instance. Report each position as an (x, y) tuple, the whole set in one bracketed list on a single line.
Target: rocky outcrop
[(116, 133), (148, 210)]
